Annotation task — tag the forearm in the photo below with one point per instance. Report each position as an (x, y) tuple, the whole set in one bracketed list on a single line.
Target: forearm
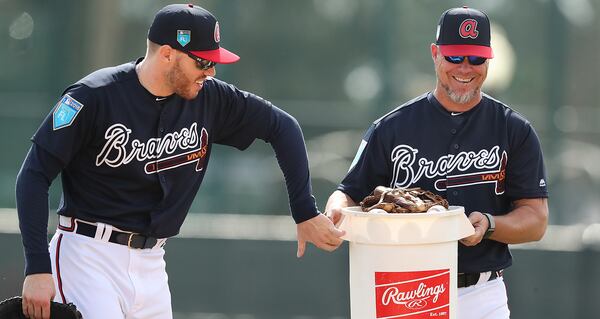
[(292, 158), (33, 182), (32, 207), (525, 223)]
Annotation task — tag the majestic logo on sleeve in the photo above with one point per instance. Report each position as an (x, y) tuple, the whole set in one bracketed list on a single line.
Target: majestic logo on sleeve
[(468, 29), (118, 151), (490, 166)]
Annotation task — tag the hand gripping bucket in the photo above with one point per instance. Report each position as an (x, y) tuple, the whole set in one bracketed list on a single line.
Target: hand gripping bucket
[(404, 265)]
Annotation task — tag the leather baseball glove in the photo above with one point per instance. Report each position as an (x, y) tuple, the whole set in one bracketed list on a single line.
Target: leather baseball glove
[(11, 309), (400, 201)]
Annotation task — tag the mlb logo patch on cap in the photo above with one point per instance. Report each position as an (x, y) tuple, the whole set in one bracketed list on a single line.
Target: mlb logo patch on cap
[(184, 37), (65, 112)]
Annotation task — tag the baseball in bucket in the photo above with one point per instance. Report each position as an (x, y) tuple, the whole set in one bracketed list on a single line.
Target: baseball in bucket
[(404, 265)]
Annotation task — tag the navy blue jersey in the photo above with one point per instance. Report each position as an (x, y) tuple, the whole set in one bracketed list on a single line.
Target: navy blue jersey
[(482, 159), (135, 161)]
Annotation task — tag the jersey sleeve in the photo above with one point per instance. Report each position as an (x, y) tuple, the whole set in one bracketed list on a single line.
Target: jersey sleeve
[(69, 125), (525, 170), (38, 171), (369, 167), (290, 150), (241, 117)]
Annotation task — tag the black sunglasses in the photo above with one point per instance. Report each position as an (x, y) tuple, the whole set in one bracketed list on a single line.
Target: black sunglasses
[(202, 64), (473, 60)]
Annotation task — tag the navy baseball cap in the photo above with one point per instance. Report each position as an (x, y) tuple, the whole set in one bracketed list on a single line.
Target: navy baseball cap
[(464, 32), (192, 29)]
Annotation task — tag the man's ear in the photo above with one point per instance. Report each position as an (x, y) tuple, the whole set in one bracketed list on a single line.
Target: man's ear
[(434, 51), (166, 54)]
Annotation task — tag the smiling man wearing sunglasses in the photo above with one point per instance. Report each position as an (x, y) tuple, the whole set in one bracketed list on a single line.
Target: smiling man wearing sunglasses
[(132, 144), (461, 54), (467, 147)]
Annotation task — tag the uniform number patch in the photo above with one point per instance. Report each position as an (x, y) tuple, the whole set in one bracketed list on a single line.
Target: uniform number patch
[(65, 112)]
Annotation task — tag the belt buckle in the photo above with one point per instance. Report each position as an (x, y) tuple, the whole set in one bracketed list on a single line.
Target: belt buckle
[(129, 240)]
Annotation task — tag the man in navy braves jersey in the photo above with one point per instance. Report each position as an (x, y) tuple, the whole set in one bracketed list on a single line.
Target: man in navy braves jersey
[(132, 143), (468, 147)]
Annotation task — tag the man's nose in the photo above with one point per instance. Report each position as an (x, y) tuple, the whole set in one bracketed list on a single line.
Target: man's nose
[(465, 63)]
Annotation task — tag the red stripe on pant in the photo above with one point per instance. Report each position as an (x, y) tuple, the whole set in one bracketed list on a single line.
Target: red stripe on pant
[(57, 262)]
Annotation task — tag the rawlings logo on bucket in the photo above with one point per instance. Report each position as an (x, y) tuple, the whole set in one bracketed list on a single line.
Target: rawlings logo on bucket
[(413, 295)]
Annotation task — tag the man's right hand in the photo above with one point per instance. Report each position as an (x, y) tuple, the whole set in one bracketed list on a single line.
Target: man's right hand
[(38, 291), (320, 231)]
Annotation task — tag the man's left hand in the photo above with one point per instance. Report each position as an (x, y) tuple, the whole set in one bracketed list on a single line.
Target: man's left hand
[(320, 231), (480, 223)]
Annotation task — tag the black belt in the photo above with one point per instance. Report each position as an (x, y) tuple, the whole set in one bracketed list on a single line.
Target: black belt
[(469, 279), (130, 240)]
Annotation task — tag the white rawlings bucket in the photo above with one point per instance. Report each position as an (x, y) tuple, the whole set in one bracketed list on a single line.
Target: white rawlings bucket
[(404, 265)]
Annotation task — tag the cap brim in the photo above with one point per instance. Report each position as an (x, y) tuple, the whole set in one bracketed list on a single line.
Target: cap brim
[(467, 50), (220, 55)]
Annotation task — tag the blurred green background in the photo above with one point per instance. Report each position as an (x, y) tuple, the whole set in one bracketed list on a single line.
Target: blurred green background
[(336, 65)]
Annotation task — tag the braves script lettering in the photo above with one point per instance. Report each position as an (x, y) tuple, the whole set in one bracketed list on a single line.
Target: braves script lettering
[(404, 158), (116, 151), (393, 294)]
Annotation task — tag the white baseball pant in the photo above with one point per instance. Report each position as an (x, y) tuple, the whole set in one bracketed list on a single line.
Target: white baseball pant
[(107, 280), (486, 300)]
